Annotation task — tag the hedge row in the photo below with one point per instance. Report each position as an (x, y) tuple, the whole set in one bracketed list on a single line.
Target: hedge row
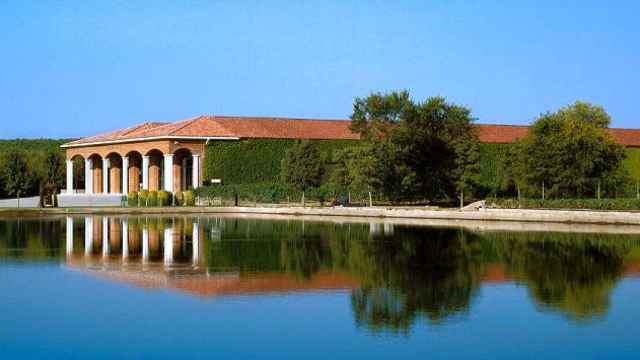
[(274, 193), (255, 161), (145, 198), (587, 204)]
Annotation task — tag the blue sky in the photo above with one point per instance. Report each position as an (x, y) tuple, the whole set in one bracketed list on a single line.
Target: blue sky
[(74, 68)]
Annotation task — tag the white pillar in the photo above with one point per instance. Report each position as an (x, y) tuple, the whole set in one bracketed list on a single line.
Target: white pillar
[(88, 235), (125, 239), (168, 172), (183, 177), (105, 175), (196, 171), (145, 244), (145, 172), (168, 245), (69, 177), (105, 236), (88, 176), (69, 235), (125, 175), (196, 241)]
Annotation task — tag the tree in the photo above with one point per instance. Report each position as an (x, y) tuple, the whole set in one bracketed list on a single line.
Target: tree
[(53, 176), (569, 153), (302, 167), (357, 169), (17, 178), (417, 144), (467, 170)]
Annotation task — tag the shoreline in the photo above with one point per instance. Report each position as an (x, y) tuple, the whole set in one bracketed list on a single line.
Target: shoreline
[(483, 215)]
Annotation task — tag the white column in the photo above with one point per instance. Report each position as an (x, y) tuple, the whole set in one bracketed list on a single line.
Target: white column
[(69, 235), (145, 172), (88, 235), (105, 175), (183, 177), (196, 241), (196, 171), (125, 239), (88, 176), (145, 244), (69, 177), (125, 175), (105, 236), (168, 245), (168, 172)]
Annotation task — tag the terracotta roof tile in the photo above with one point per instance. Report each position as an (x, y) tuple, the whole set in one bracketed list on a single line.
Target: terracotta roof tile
[(291, 128)]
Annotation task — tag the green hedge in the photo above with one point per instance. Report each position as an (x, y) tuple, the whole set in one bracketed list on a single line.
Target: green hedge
[(274, 193), (255, 160), (590, 204)]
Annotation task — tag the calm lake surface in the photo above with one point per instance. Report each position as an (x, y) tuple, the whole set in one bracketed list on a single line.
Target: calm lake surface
[(211, 287)]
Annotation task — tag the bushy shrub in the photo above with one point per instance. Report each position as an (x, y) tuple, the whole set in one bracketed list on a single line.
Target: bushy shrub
[(132, 198), (179, 198), (577, 204), (164, 198), (152, 199), (189, 198), (143, 197)]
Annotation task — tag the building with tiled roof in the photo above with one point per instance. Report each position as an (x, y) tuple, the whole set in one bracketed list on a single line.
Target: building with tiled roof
[(150, 150)]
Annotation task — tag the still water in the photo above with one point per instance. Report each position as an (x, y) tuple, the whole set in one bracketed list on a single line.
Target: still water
[(224, 287)]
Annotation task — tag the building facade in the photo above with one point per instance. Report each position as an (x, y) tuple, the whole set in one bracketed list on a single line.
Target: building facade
[(170, 156)]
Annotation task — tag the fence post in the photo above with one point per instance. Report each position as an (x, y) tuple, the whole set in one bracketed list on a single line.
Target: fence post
[(598, 189), (543, 191)]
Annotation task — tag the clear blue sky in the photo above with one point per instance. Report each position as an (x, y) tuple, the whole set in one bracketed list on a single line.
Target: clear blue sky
[(74, 68)]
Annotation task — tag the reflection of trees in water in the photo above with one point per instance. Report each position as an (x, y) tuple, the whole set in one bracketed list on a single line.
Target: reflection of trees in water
[(573, 274), (433, 273), (31, 239), (416, 272)]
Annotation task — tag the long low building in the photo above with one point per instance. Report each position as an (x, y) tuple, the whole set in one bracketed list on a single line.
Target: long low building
[(141, 156)]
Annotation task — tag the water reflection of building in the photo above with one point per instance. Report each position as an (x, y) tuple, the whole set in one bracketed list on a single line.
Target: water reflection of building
[(171, 240)]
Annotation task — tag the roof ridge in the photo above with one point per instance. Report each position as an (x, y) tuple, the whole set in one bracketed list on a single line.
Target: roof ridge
[(187, 123)]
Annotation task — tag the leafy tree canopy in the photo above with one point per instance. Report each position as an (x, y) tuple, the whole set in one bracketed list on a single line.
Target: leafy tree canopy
[(302, 166), (569, 151)]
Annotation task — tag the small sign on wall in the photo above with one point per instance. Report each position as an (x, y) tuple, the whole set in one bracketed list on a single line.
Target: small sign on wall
[(216, 181)]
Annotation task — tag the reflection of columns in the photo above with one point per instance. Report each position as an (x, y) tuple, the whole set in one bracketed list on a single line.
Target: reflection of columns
[(105, 175), (195, 240), (125, 175), (145, 243), (195, 179), (69, 235), (168, 245), (88, 176), (145, 172), (69, 176), (125, 238), (168, 172), (88, 235), (105, 236)]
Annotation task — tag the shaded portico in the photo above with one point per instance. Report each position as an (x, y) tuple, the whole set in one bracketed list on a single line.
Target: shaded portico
[(119, 168)]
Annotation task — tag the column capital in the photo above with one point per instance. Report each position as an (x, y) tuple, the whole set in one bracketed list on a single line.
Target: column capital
[(169, 155)]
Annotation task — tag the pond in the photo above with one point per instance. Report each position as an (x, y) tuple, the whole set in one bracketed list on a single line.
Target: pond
[(90, 287)]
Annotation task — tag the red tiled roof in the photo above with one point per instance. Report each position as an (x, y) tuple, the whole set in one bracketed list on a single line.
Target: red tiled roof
[(289, 128)]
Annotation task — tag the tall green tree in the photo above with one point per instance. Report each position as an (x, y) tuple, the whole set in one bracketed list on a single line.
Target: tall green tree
[(570, 152), (357, 169), (467, 170), (302, 167), (16, 176), (425, 149)]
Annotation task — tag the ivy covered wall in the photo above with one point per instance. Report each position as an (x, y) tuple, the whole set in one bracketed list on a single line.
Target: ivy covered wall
[(256, 160)]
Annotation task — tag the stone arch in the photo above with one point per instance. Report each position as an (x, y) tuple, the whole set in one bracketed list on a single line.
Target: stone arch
[(182, 170), (134, 170), (79, 172), (114, 173), (156, 169), (96, 172)]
